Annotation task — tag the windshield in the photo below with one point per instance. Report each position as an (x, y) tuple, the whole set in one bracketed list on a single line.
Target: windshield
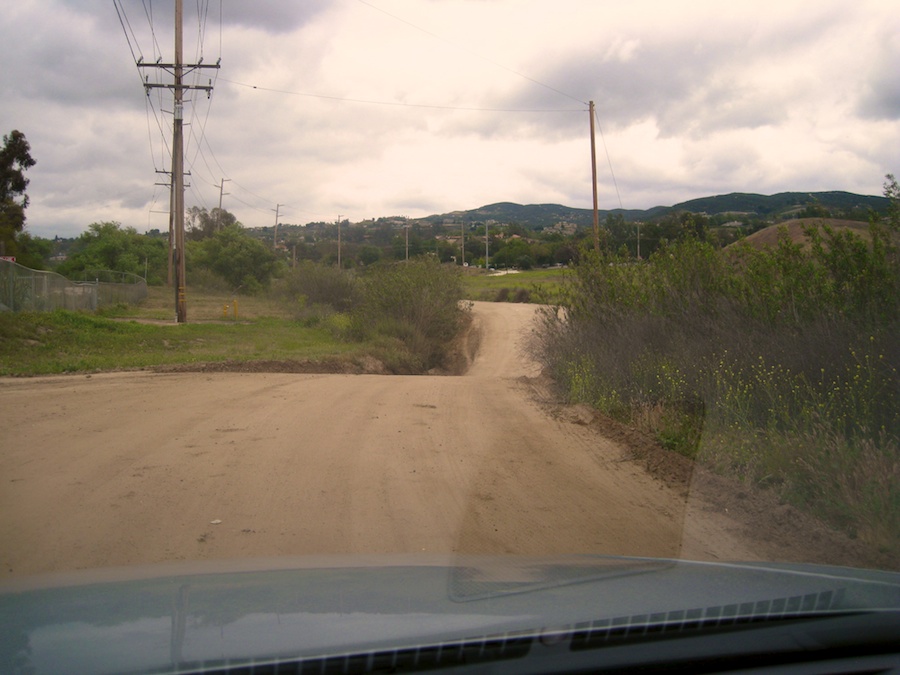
[(551, 313)]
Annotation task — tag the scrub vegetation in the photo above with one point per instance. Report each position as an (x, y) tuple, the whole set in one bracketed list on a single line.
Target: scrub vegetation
[(403, 316), (776, 365), (410, 312)]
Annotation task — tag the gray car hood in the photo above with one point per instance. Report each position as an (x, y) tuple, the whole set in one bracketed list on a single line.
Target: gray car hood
[(178, 618)]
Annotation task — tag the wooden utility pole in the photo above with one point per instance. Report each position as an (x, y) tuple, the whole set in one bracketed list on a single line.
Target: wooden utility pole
[(275, 236), (178, 171), (339, 241), (594, 182), (487, 243), (176, 201), (170, 277), (462, 252), (221, 187)]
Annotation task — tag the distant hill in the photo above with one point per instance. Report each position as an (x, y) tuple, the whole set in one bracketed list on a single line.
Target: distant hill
[(767, 205), (777, 206), (533, 216), (769, 236)]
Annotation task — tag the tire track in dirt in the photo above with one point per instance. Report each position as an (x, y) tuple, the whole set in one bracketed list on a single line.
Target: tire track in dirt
[(133, 468)]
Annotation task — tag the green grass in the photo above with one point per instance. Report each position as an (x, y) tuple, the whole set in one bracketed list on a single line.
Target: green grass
[(543, 285), (202, 305), (61, 341)]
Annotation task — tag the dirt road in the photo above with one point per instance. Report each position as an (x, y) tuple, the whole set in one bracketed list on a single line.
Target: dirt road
[(128, 468)]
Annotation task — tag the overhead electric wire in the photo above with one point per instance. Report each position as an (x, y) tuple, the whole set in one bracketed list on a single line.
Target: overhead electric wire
[(346, 99), (200, 137), (608, 160), (148, 12), (123, 19)]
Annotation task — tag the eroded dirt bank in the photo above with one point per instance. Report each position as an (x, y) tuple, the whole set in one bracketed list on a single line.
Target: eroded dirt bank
[(132, 468)]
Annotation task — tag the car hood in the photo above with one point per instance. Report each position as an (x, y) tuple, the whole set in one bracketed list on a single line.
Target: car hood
[(174, 618)]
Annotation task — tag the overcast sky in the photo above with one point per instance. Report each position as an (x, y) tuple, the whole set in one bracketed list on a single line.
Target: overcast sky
[(367, 108)]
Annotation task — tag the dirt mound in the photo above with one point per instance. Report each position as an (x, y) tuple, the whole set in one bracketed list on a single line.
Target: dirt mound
[(769, 236)]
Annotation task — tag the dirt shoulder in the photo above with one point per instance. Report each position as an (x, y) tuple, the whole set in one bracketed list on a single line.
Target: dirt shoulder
[(777, 530)]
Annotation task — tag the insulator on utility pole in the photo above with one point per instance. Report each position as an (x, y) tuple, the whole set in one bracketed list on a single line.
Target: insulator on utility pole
[(176, 196)]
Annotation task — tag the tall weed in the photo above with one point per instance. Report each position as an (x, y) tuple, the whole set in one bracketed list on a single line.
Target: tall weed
[(417, 303), (777, 366)]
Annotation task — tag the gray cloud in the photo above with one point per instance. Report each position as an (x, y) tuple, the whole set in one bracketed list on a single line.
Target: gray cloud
[(880, 91), (759, 97), (273, 17)]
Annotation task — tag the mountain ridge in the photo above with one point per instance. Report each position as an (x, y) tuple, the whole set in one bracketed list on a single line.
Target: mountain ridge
[(738, 203)]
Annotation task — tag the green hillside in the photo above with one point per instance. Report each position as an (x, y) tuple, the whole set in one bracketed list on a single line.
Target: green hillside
[(775, 207)]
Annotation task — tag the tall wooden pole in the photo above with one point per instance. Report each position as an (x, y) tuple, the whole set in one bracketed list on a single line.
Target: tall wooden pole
[(178, 172), (594, 182), (339, 241), (462, 232), (277, 209), (170, 275), (176, 195)]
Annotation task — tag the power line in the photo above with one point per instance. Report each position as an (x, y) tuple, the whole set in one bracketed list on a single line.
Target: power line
[(148, 12), (345, 99), (123, 20), (608, 159)]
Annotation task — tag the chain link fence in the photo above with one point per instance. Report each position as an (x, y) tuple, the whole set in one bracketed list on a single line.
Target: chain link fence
[(26, 290)]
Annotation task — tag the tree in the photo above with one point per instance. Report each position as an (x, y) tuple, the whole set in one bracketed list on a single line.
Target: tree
[(202, 224), (33, 252), (109, 246), (514, 253), (15, 159), (242, 261), (892, 192), (368, 255)]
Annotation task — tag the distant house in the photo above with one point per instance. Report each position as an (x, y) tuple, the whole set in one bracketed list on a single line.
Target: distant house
[(563, 227)]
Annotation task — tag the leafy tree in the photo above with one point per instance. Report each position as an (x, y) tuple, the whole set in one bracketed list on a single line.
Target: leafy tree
[(814, 209), (892, 192), (398, 246), (369, 255), (514, 253), (15, 159), (243, 262), (109, 246), (202, 224), (33, 252)]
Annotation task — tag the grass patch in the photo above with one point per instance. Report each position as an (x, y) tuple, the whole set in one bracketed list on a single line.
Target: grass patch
[(542, 286), (404, 316), (62, 342), (202, 305)]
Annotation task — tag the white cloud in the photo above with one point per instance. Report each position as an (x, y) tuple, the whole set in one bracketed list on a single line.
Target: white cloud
[(694, 99)]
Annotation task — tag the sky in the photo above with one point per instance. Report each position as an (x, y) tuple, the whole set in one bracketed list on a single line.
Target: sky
[(370, 108)]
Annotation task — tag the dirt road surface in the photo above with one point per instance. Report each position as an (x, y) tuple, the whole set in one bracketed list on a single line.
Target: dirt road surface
[(129, 468)]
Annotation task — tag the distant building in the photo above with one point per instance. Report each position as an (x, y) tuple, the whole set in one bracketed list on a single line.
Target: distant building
[(563, 227)]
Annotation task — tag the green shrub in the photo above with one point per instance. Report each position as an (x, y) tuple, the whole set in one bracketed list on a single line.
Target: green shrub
[(778, 366), (313, 290), (417, 302)]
